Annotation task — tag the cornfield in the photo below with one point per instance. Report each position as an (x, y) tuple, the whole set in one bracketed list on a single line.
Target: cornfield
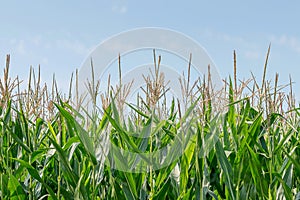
[(238, 143)]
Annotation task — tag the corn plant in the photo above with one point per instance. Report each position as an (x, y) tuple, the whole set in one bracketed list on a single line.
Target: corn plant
[(53, 148)]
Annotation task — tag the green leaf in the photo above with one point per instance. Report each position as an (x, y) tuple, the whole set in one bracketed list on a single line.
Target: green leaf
[(82, 134), (131, 185), (35, 174), (185, 165), (162, 193), (226, 167), (15, 188)]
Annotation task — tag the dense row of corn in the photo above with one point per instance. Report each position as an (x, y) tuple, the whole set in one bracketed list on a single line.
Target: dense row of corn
[(247, 148)]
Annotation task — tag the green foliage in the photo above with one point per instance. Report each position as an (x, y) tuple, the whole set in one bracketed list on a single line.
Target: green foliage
[(239, 152)]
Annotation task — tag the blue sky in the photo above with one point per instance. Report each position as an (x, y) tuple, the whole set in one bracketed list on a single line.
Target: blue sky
[(59, 35)]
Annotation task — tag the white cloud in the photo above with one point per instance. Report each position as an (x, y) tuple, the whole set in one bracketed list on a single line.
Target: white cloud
[(291, 42), (37, 47), (36, 40), (45, 61), (119, 7), (253, 55), (75, 46), (225, 37), (249, 49), (20, 47), (12, 41)]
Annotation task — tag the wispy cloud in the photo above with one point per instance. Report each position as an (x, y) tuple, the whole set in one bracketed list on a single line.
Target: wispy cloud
[(119, 9), (225, 37), (253, 55), (37, 40), (35, 49), (74, 46), (20, 47), (120, 6), (16, 46), (246, 47), (291, 42)]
